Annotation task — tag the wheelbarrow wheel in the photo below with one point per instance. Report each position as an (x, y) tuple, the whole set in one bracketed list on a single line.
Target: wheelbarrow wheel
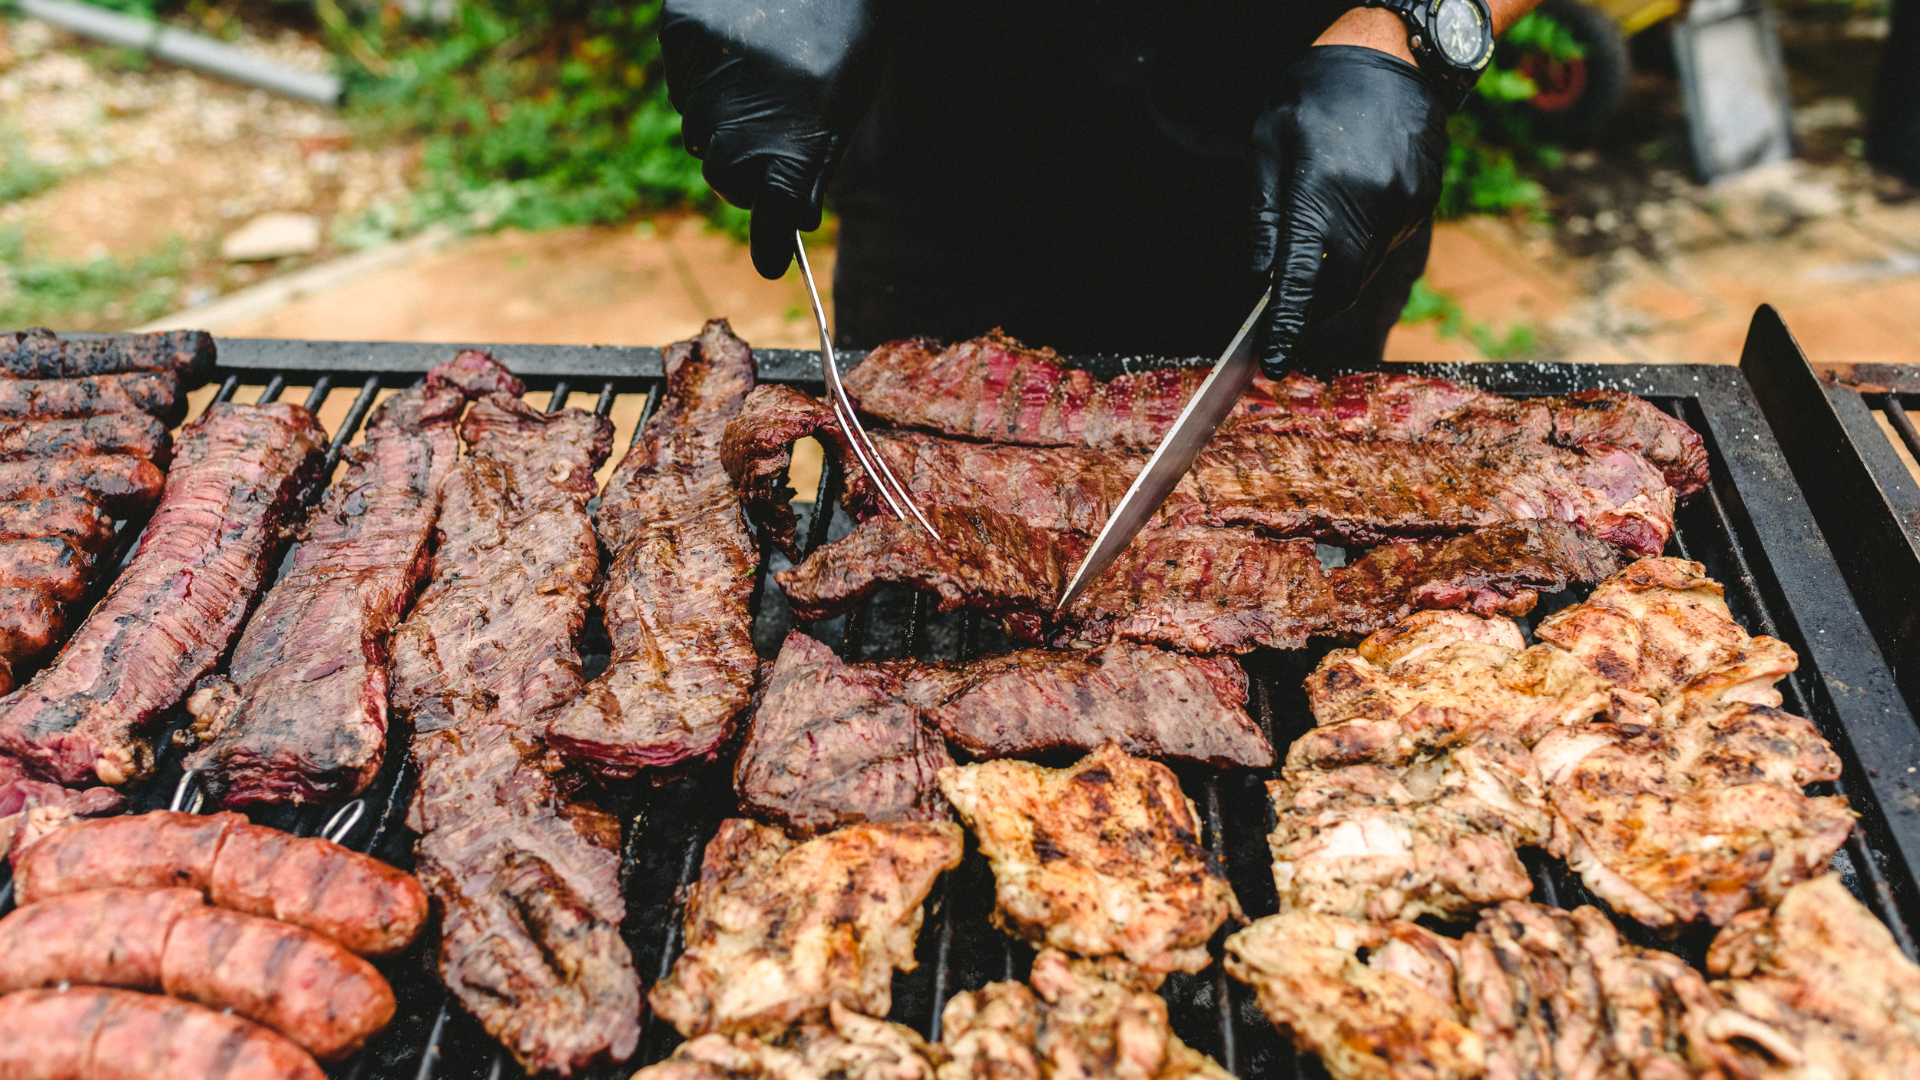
[(1576, 97)]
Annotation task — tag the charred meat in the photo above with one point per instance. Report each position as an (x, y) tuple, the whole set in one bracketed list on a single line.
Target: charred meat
[(40, 354), (121, 484), (135, 434), (156, 393)]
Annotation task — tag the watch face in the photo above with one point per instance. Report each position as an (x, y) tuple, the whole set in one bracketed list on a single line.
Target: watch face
[(1460, 32)]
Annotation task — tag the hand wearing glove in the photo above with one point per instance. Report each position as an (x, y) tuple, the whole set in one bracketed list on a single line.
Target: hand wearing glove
[(1347, 160), (769, 93)]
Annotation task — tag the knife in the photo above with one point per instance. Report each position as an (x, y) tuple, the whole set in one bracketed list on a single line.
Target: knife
[(1189, 435)]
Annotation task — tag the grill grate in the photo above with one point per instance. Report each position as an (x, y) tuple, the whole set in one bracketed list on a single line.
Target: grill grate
[(1750, 529)]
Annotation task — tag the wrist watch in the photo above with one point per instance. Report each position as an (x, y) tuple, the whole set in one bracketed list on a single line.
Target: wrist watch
[(1451, 39)]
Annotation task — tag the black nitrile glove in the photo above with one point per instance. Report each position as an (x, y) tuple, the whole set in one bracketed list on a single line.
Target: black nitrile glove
[(1347, 160), (769, 92)]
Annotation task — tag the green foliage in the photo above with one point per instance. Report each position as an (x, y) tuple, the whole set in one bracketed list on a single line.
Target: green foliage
[(1540, 34), (40, 292), (1492, 139), (20, 175), (1428, 304)]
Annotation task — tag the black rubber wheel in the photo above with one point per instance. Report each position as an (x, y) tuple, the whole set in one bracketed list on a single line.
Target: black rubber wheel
[(1577, 97)]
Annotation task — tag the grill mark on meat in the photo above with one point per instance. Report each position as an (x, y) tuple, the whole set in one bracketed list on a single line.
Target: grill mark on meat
[(527, 879), (1197, 589), (40, 354), (154, 392), (122, 485), (244, 471), (679, 579), (302, 713), (95, 1033), (73, 518), (132, 433)]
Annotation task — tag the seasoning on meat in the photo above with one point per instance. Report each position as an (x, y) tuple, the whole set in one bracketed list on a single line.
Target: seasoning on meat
[(307, 987), (525, 876), (132, 433), (1072, 1018), (835, 744), (359, 901), (122, 485), (848, 1047), (96, 1033), (301, 714), (156, 393), (778, 931), (1099, 859), (38, 353), (243, 475), (679, 581)]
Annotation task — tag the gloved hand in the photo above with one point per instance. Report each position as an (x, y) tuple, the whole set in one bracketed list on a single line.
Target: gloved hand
[(769, 92), (1347, 159)]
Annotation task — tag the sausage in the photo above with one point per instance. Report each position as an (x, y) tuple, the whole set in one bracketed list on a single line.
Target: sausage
[(361, 902), (40, 354), (46, 564), (73, 518), (307, 987), (133, 433), (95, 1033), (31, 624), (154, 392), (122, 484)]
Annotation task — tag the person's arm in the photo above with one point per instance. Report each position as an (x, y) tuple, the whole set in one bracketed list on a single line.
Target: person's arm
[(1347, 161)]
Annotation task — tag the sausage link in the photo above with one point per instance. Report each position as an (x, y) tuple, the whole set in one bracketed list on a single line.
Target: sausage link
[(122, 484), (153, 392), (94, 1033), (306, 987), (133, 433), (103, 937), (142, 851), (73, 518)]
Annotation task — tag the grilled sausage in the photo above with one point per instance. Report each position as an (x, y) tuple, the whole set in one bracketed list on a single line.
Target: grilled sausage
[(122, 484), (48, 565), (153, 392), (307, 987), (134, 433), (73, 518), (93, 1033), (40, 354), (361, 902), (31, 623)]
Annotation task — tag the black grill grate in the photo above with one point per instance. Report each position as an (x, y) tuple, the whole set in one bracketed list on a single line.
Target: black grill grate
[(1751, 529)]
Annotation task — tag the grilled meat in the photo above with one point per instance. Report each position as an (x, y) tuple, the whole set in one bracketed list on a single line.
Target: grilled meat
[(1102, 858), (31, 626), (777, 932), (835, 744), (307, 987), (48, 565), (94, 1033), (1499, 570), (848, 1047), (679, 580), (1814, 988), (359, 901), (1077, 1018), (302, 712), (156, 393), (122, 485), (757, 449), (131, 433), (243, 474), (73, 518), (526, 877), (39, 354), (21, 795)]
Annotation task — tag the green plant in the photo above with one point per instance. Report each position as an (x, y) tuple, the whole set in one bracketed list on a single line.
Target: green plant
[(1428, 304), (98, 293), (1492, 140), (20, 175)]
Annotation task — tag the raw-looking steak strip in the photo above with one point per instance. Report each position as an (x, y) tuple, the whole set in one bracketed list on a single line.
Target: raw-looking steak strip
[(833, 744), (1335, 490), (995, 389), (73, 518), (1199, 590), (40, 354), (242, 478), (679, 581), (133, 433), (302, 713), (122, 485), (527, 878), (154, 392)]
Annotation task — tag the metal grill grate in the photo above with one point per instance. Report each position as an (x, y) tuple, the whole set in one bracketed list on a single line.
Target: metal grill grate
[(1750, 528)]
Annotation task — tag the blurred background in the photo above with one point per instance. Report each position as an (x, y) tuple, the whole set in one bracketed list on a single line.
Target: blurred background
[(1626, 185)]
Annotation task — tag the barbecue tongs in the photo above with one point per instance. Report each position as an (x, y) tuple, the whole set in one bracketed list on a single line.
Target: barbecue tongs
[(892, 491)]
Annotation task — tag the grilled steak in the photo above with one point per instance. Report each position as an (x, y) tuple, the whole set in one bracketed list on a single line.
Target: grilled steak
[(302, 713), (526, 878), (30, 808), (778, 932), (132, 433), (679, 581), (357, 900), (1100, 859), (995, 389), (40, 354), (120, 484), (244, 472), (156, 393), (95, 1033), (73, 518), (757, 448), (835, 744), (1201, 590), (48, 565)]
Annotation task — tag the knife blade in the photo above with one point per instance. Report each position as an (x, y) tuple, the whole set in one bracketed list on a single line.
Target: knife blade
[(1210, 405)]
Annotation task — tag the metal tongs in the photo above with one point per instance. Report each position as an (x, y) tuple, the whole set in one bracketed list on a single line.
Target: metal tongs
[(891, 489)]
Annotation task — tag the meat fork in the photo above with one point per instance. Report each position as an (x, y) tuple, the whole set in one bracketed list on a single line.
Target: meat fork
[(891, 489)]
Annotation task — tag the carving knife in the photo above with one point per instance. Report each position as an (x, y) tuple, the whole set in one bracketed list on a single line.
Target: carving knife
[(1230, 377)]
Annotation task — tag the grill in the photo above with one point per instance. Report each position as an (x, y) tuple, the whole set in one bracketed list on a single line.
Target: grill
[(1752, 529)]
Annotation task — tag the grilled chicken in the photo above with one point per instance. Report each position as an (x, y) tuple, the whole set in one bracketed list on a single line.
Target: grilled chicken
[(849, 1047), (1078, 1018), (777, 931), (1099, 859)]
